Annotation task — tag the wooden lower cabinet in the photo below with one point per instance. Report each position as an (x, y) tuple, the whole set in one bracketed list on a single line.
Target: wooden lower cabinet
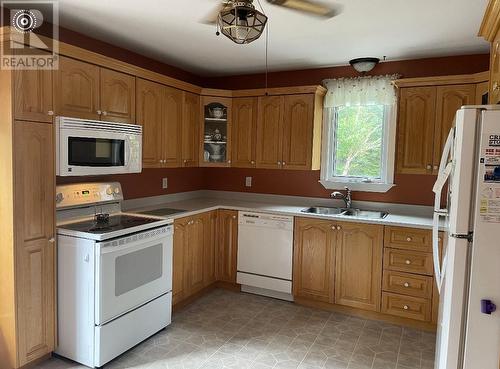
[(34, 212), (227, 245), (192, 258), (358, 273), (314, 259), (204, 246)]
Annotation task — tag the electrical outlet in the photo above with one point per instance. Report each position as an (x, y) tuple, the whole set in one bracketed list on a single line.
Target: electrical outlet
[(248, 181), (164, 183)]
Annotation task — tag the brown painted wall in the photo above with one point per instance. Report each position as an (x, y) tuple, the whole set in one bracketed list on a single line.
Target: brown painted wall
[(410, 189), (149, 182), (464, 64)]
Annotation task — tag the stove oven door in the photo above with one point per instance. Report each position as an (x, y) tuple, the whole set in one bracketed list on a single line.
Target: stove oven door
[(132, 270)]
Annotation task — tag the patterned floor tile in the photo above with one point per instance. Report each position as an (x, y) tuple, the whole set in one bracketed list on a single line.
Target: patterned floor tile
[(235, 330)]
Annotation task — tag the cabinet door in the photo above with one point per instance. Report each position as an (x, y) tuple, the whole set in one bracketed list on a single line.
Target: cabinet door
[(209, 268), (172, 126), (314, 259), (76, 90), (417, 108), (269, 132), (34, 249), (495, 71), (33, 95), (179, 281), (227, 245), (190, 131), (298, 131), (149, 116), (117, 96), (448, 100), (358, 274), (197, 233), (244, 124), (481, 93)]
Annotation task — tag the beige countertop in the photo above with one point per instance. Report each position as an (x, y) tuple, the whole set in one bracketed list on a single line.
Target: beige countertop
[(198, 205)]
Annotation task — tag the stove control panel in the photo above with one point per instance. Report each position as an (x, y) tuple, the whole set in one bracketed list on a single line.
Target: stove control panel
[(83, 194)]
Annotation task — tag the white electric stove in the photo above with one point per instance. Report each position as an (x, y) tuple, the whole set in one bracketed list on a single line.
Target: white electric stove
[(114, 273)]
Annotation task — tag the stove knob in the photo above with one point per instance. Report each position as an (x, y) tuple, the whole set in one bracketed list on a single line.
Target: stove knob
[(117, 190), (109, 191), (59, 197)]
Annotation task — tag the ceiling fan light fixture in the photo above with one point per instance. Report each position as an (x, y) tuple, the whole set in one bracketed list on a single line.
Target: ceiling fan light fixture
[(241, 22), (364, 65)]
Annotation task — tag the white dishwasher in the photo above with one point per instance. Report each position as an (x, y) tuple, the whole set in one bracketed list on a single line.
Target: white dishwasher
[(265, 253)]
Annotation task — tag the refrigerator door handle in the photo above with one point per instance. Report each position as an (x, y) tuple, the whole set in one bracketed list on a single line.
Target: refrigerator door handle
[(445, 169)]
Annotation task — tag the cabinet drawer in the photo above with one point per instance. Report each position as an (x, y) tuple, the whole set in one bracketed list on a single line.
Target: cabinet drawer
[(408, 261), (407, 284), (406, 306), (408, 238)]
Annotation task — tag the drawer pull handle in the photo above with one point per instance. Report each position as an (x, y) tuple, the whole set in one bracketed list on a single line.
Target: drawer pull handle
[(409, 239), (406, 284), (406, 307), (408, 262), (339, 228)]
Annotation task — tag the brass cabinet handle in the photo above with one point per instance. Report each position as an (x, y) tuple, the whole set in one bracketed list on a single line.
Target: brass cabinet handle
[(406, 284), (408, 262), (406, 307), (409, 239), (52, 240), (252, 162), (104, 112), (99, 112), (339, 228), (50, 112), (429, 167)]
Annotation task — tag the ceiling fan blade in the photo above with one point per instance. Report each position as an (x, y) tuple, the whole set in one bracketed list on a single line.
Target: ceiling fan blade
[(308, 6), (211, 18)]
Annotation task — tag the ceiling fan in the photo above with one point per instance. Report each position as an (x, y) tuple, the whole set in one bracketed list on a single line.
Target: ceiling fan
[(308, 7)]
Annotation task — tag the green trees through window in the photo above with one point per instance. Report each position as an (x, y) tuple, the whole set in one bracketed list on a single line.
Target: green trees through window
[(359, 136)]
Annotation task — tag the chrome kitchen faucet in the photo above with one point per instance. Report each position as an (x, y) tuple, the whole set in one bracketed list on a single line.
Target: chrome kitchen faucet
[(347, 197)]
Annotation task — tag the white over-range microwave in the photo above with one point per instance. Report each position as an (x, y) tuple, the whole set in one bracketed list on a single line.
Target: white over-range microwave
[(92, 147)]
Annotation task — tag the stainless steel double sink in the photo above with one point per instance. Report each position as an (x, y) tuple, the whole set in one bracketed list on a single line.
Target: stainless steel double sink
[(355, 213)]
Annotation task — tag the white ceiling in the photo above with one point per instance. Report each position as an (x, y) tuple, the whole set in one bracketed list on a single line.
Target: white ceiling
[(169, 31)]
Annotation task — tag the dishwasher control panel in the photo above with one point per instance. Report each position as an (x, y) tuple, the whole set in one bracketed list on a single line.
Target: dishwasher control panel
[(265, 220)]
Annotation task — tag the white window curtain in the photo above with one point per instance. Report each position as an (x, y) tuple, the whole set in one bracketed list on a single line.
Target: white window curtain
[(371, 90)]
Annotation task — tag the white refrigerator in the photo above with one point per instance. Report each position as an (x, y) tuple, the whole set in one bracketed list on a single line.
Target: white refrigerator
[(467, 270)]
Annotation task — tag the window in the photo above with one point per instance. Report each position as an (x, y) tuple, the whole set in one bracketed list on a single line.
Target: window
[(358, 142)]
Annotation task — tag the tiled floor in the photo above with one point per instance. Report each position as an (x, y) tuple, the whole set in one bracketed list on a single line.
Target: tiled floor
[(234, 330)]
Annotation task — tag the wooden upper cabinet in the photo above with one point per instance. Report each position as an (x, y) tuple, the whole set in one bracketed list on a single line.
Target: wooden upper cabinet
[(495, 71), (171, 126), (243, 132), (33, 95), (227, 245), (358, 274), (269, 132), (190, 129), (149, 116), (117, 96), (298, 131), (34, 172), (448, 100), (417, 108), (216, 131), (314, 259), (76, 89)]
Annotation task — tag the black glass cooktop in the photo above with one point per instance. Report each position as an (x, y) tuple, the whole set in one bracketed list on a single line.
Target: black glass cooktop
[(113, 223)]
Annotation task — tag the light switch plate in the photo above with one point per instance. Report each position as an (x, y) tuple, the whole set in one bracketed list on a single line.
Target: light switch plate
[(164, 183), (248, 181)]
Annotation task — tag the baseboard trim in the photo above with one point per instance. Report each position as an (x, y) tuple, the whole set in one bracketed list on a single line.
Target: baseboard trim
[(366, 314)]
